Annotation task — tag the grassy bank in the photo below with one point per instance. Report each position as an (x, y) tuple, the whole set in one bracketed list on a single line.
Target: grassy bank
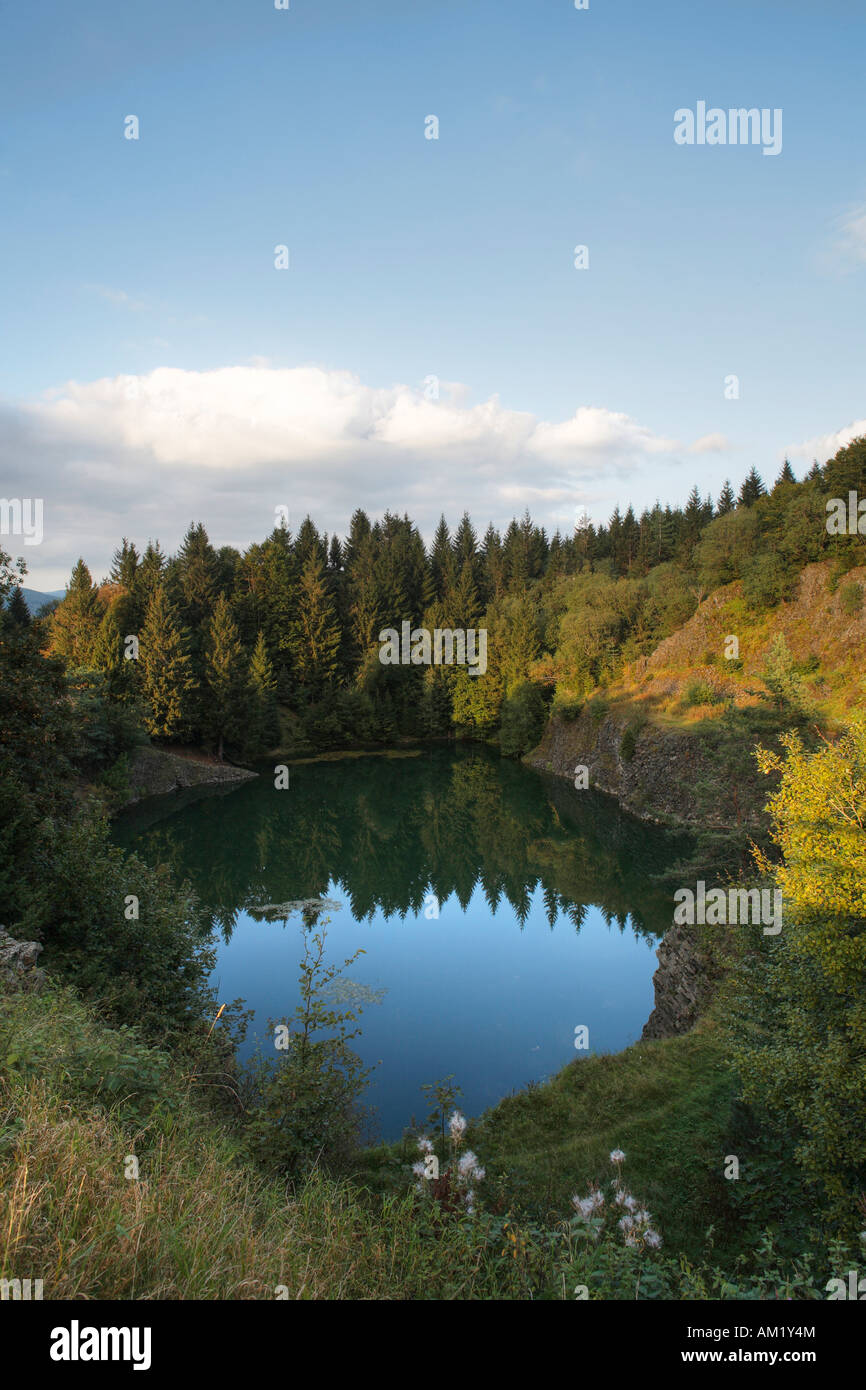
[(79, 1100)]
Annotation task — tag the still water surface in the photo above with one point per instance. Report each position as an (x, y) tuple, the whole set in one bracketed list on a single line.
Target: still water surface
[(548, 899)]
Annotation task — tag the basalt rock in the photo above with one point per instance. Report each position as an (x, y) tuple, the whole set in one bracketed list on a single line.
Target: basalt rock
[(158, 772), (682, 984), (18, 962), (660, 775)]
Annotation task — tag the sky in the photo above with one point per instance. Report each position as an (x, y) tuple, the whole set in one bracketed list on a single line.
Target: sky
[(431, 346)]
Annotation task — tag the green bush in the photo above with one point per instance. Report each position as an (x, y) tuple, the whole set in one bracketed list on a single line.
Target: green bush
[(628, 744), (149, 971), (304, 1108), (851, 598), (522, 720), (699, 692)]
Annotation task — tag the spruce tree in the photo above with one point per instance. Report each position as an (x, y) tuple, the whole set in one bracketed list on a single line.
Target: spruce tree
[(727, 500), (316, 636), (442, 562), (75, 623), (17, 612), (492, 566), (107, 655), (264, 716), (227, 699), (166, 670), (124, 564), (752, 488)]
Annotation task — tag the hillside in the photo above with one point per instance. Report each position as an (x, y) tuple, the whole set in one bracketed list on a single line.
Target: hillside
[(673, 737)]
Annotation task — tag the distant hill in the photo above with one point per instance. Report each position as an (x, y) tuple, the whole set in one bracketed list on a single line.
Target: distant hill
[(35, 600)]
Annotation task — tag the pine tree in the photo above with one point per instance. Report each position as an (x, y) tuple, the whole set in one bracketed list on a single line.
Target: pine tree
[(124, 564), (335, 554), (17, 612), (585, 541), (227, 703), (317, 636), (166, 670), (75, 623), (786, 475), (309, 543), (149, 574), (107, 655), (492, 566), (727, 500), (442, 562), (751, 489), (463, 602), (264, 715), (194, 575)]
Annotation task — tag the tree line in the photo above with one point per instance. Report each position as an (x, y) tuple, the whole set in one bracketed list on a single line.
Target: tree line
[(279, 644)]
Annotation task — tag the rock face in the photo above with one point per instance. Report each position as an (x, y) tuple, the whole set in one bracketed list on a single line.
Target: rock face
[(18, 962), (682, 985), (155, 772), (660, 775)]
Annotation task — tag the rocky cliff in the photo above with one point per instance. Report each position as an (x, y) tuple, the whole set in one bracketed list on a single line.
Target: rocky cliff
[(667, 776), (683, 984), (155, 772)]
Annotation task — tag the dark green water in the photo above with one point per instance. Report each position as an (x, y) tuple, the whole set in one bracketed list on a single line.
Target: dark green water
[(548, 899)]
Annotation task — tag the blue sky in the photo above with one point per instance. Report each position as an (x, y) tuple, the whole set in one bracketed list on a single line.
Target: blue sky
[(560, 388)]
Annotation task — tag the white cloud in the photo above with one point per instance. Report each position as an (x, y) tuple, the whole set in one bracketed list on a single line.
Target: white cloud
[(117, 297), (823, 446), (710, 444), (144, 455), (850, 237)]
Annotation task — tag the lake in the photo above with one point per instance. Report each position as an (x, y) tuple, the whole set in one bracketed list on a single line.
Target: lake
[(499, 909)]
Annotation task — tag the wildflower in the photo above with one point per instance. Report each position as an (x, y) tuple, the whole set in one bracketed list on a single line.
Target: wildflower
[(643, 1217), (457, 1126), (419, 1169), (653, 1239), (468, 1168), (626, 1223), (425, 1145), (617, 1156), (469, 1201), (625, 1199)]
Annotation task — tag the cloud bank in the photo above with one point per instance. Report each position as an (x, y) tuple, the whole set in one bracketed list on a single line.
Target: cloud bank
[(143, 455)]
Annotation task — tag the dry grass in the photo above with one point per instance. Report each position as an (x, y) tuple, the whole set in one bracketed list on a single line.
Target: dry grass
[(200, 1222)]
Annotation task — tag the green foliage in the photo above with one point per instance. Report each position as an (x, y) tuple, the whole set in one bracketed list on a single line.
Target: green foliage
[(699, 692), (766, 581), (798, 1029), (522, 719), (227, 703), (148, 971), (441, 1098), (628, 744), (305, 1107), (264, 724), (167, 674), (51, 1036), (784, 684)]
